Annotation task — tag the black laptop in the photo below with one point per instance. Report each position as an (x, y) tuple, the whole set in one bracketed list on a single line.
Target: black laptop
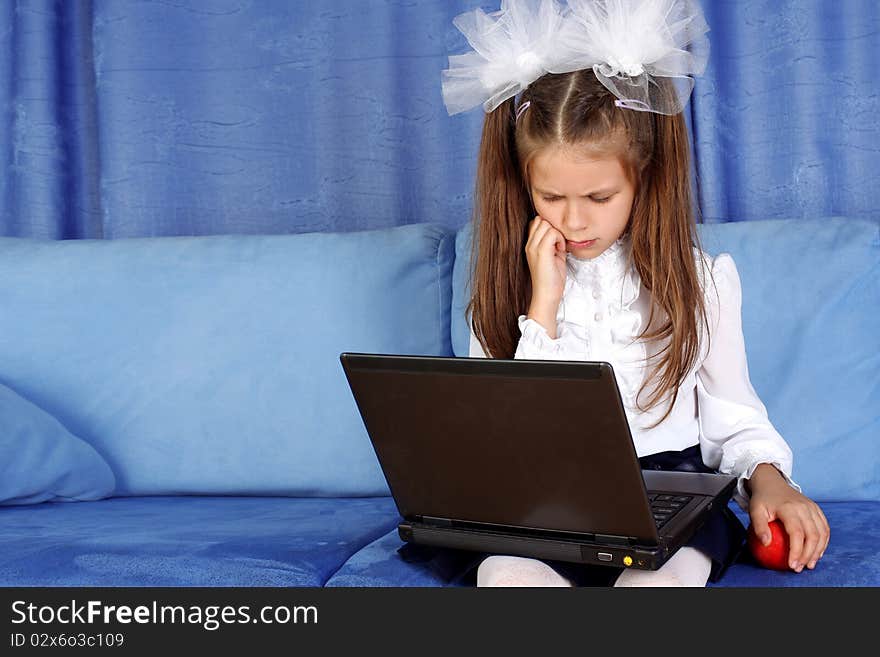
[(523, 457)]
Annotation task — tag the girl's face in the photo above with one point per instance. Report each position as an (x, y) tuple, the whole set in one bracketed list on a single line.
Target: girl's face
[(587, 200)]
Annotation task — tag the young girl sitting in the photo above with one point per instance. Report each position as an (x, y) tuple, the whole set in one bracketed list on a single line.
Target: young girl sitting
[(585, 248)]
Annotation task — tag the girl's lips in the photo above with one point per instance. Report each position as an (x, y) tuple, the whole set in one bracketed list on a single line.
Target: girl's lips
[(587, 243)]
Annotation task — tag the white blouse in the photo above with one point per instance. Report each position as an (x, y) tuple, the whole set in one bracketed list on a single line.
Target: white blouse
[(602, 309)]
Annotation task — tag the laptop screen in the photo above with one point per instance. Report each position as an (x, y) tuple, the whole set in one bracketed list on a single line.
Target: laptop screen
[(541, 444)]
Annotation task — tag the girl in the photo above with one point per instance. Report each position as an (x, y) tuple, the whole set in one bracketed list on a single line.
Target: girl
[(585, 248)]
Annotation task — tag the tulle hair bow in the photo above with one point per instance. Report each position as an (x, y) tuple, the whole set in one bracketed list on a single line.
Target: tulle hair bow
[(627, 43)]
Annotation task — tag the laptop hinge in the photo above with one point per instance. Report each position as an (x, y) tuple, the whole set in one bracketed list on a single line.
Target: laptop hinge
[(614, 540), (599, 538)]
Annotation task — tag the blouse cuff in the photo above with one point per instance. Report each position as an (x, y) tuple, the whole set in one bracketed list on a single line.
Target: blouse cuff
[(535, 342), (741, 495)]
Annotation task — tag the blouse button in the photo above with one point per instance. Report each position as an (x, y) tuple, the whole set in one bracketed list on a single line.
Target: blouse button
[(595, 294), (598, 317)]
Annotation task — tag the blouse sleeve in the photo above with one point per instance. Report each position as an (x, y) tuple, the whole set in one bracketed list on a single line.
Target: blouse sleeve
[(536, 344), (735, 432)]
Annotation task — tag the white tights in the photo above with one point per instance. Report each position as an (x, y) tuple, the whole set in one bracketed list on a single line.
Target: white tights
[(687, 567)]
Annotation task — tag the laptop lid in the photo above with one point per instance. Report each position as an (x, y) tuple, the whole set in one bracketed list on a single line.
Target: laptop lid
[(516, 443)]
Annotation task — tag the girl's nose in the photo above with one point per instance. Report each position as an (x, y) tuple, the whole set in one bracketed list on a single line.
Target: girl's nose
[(575, 218)]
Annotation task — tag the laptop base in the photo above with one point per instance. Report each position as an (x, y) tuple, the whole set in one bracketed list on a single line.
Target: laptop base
[(641, 557), (612, 551)]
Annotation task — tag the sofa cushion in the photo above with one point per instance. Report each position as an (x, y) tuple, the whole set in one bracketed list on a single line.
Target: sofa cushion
[(211, 364), (40, 460), (187, 541), (852, 558), (811, 321)]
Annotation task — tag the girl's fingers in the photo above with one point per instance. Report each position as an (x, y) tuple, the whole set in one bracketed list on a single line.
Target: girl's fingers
[(549, 238), (811, 560), (808, 534), (827, 530), (560, 238), (760, 519), (538, 231), (811, 537), (793, 526), (554, 234), (824, 532), (534, 226)]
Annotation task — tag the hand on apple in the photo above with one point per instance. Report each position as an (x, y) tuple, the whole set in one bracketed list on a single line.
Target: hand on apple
[(773, 555), (801, 531)]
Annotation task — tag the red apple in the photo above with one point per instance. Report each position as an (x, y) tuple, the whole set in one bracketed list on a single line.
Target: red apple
[(775, 555)]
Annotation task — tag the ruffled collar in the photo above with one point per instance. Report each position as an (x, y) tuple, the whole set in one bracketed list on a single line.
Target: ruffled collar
[(612, 267)]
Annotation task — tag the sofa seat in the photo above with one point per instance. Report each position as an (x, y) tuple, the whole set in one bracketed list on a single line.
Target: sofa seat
[(852, 558), (188, 541), (282, 541)]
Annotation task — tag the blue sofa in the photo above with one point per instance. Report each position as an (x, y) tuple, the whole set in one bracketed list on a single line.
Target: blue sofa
[(173, 411)]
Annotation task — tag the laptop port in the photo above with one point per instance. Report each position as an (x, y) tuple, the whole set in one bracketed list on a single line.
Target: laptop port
[(604, 556)]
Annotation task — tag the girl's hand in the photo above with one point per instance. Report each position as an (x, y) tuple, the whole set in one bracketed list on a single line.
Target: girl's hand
[(545, 252), (773, 499)]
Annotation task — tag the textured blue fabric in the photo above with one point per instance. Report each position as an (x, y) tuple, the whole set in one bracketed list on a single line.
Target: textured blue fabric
[(228, 117), (211, 364), (49, 130), (230, 541), (785, 115), (852, 558), (40, 460), (187, 541), (811, 321), (126, 118)]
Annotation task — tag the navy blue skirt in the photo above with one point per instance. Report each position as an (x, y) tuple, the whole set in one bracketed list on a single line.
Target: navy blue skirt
[(721, 538)]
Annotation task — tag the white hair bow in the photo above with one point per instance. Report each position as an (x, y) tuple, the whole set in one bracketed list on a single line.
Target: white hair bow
[(627, 43)]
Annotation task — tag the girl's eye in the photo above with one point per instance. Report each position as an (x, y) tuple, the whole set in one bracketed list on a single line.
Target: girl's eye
[(551, 199)]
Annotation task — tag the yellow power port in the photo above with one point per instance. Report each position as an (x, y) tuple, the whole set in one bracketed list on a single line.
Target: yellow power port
[(627, 560)]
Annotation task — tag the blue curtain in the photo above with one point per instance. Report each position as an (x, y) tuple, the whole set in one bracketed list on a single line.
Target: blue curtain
[(126, 118), (48, 129), (787, 117)]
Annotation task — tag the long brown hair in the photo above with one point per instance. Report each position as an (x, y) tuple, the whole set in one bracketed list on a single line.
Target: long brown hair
[(575, 109)]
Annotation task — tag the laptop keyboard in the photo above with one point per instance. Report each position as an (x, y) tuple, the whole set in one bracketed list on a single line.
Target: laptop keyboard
[(664, 506)]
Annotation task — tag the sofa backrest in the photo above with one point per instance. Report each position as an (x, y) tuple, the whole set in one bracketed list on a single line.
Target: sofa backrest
[(811, 321), (211, 364)]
